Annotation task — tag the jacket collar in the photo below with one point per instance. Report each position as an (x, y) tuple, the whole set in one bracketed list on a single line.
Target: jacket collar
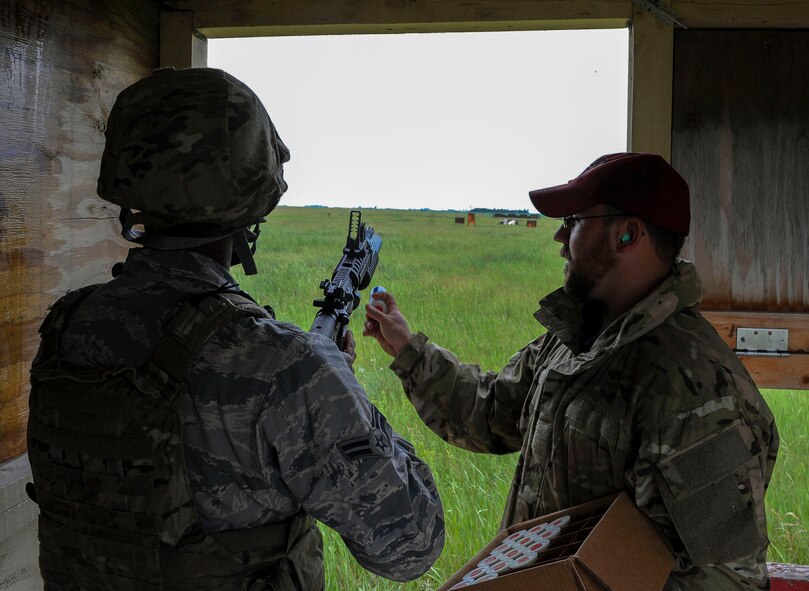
[(180, 270), (563, 315)]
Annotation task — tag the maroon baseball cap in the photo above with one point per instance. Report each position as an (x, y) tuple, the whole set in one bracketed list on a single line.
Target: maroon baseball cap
[(644, 185)]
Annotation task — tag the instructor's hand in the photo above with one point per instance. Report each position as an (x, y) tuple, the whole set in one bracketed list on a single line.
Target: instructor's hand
[(389, 328)]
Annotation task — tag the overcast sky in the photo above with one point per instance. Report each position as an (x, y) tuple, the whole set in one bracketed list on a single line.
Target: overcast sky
[(442, 121)]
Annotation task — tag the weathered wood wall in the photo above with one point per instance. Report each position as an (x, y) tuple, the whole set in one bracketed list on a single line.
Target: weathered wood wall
[(740, 136), (63, 63)]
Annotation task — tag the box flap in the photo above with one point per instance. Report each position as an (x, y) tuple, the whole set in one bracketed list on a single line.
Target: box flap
[(625, 551), (555, 576), (586, 579)]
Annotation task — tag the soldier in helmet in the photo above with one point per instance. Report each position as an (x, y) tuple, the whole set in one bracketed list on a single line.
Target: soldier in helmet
[(629, 389), (180, 436)]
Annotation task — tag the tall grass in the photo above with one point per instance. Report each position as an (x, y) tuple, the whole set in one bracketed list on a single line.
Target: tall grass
[(472, 289)]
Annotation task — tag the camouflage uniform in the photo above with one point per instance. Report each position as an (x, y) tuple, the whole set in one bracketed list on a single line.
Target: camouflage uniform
[(274, 422), (658, 406), (258, 425)]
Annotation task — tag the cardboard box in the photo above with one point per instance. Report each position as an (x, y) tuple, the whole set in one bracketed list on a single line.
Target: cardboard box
[(608, 545)]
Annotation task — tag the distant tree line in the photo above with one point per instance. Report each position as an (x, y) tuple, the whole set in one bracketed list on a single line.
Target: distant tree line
[(505, 213)]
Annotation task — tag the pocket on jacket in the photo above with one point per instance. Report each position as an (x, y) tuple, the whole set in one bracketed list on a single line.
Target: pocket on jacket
[(596, 447), (707, 489)]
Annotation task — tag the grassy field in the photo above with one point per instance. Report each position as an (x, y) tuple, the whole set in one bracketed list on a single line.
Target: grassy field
[(473, 290)]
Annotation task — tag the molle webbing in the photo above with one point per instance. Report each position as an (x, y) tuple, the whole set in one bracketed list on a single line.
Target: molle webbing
[(105, 445), (189, 331)]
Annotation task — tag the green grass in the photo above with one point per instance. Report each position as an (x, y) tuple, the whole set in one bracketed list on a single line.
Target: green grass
[(473, 290), (787, 499)]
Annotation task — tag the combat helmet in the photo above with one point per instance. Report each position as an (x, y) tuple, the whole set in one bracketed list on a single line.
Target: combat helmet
[(190, 148)]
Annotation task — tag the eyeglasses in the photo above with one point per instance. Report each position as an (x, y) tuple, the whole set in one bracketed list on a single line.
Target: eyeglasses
[(571, 220)]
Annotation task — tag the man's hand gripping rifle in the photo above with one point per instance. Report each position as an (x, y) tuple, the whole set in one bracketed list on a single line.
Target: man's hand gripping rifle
[(353, 273)]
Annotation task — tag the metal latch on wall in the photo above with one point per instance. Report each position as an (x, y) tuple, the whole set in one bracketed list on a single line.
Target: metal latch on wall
[(762, 342)]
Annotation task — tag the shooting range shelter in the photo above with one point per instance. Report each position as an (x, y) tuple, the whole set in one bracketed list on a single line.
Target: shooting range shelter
[(720, 89)]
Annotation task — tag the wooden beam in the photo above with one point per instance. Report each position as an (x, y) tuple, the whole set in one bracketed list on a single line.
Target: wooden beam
[(244, 18), (742, 14), (651, 70), (779, 373), (250, 18), (726, 322), (790, 372), (181, 45)]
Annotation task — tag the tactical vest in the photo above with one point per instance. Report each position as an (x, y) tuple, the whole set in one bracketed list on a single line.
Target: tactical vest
[(107, 456)]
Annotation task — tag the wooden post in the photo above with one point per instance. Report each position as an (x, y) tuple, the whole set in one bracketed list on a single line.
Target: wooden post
[(651, 68), (181, 45)]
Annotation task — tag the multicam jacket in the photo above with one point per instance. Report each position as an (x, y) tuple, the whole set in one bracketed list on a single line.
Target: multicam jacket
[(274, 421), (658, 406)]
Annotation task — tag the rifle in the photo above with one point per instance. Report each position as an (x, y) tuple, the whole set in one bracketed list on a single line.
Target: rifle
[(353, 273)]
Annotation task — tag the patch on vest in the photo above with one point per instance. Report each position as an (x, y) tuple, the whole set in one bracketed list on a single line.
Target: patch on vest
[(377, 443)]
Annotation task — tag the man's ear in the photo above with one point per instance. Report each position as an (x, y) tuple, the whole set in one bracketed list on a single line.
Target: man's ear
[(629, 231)]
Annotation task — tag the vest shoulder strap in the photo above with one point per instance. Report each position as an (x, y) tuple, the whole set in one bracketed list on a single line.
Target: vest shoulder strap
[(189, 330), (56, 319)]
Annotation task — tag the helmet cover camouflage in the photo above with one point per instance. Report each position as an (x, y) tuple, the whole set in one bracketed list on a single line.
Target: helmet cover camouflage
[(192, 146)]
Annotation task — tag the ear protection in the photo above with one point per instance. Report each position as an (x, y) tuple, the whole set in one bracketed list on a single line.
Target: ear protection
[(626, 237)]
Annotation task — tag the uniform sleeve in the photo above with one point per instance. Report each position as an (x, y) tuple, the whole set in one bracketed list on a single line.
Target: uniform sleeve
[(349, 469), (472, 409), (701, 475)]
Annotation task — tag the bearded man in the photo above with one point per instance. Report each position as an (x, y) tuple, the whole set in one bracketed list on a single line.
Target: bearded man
[(630, 389)]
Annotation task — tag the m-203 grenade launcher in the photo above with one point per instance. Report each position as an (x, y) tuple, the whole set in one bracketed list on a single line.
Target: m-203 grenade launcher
[(341, 294)]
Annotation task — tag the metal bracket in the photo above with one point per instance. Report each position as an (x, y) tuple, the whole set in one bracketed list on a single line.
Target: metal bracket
[(664, 15), (762, 342)]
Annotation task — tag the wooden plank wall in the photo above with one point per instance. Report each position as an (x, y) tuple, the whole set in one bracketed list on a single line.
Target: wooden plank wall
[(63, 63), (740, 136)]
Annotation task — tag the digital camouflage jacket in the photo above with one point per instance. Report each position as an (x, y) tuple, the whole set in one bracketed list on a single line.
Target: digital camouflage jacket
[(658, 406), (274, 422), (110, 477)]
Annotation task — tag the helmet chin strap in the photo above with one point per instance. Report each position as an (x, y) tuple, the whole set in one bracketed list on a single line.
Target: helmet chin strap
[(244, 247), (244, 241), (156, 240)]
